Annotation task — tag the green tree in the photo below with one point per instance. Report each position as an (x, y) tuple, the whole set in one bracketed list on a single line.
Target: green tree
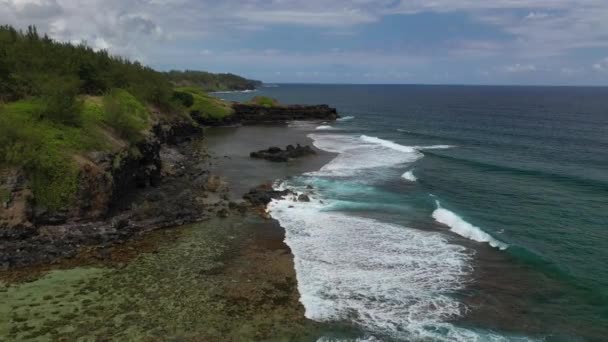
[(61, 103)]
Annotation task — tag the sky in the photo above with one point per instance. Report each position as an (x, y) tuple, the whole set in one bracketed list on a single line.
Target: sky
[(549, 42)]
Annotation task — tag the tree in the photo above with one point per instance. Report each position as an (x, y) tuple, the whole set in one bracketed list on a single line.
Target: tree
[(61, 103)]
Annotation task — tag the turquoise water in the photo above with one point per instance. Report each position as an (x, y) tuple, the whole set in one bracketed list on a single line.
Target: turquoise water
[(454, 213)]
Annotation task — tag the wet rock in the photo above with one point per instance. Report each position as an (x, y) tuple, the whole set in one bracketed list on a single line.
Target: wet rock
[(275, 154), (262, 195), (222, 213), (303, 198)]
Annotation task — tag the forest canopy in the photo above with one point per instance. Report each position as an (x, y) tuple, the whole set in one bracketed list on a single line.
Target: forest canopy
[(31, 63), (211, 82)]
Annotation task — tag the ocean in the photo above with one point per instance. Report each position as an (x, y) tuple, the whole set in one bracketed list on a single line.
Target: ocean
[(452, 213)]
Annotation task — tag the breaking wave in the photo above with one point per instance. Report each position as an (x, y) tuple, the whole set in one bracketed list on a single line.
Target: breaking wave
[(464, 228)]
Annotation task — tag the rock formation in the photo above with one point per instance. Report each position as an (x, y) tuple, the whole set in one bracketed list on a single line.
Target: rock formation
[(276, 154)]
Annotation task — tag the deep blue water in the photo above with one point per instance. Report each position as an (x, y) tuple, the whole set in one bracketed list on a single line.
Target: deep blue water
[(528, 166)]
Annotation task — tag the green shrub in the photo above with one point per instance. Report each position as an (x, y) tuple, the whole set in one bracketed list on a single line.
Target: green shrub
[(206, 105), (40, 151), (264, 101), (61, 103), (53, 178), (125, 114), (186, 99)]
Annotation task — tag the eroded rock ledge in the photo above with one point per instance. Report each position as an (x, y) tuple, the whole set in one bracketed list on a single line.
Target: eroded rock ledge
[(251, 114)]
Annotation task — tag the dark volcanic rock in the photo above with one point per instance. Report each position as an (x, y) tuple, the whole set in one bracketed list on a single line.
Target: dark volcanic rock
[(303, 198), (275, 154), (263, 194), (251, 114), (248, 114), (119, 195)]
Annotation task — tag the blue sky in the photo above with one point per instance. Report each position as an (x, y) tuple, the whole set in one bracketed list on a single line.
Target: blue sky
[(555, 42)]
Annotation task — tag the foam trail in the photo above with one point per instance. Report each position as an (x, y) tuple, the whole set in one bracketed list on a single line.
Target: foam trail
[(465, 229), (324, 127), (409, 175), (358, 153), (346, 118), (433, 147), (233, 91), (388, 144)]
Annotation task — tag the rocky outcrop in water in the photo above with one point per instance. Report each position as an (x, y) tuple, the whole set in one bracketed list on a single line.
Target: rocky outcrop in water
[(276, 154), (263, 194), (252, 114), (249, 114)]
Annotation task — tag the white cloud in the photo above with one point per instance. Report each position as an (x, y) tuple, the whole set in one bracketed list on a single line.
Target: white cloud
[(339, 18), (601, 66), (520, 68), (537, 15)]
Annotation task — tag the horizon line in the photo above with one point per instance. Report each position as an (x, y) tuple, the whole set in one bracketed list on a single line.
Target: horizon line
[(441, 84)]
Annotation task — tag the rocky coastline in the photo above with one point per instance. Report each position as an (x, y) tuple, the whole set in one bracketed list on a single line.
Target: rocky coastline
[(253, 114), (165, 183)]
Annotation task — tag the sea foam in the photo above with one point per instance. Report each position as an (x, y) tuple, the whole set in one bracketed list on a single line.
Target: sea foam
[(409, 175), (324, 127), (383, 277), (359, 153), (346, 118), (464, 228)]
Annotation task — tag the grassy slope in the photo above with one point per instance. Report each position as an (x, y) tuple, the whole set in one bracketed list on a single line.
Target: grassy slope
[(48, 151), (265, 101), (207, 105)]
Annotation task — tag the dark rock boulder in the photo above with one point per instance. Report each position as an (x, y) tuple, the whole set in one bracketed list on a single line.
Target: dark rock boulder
[(275, 154), (303, 198), (263, 194)]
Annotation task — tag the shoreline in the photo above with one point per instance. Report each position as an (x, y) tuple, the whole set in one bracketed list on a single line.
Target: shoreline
[(249, 267)]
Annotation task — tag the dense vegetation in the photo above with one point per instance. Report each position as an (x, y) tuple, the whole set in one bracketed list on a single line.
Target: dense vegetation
[(264, 101), (59, 101), (211, 82), (33, 65), (203, 105)]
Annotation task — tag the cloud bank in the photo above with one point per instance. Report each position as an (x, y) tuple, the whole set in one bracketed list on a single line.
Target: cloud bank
[(517, 37)]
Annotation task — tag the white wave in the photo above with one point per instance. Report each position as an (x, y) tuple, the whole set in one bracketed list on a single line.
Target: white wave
[(346, 118), (388, 144), (409, 175), (233, 91), (464, 228), (324, 127), (383, 277), (356, 153), (302, 125), (434, 147)]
